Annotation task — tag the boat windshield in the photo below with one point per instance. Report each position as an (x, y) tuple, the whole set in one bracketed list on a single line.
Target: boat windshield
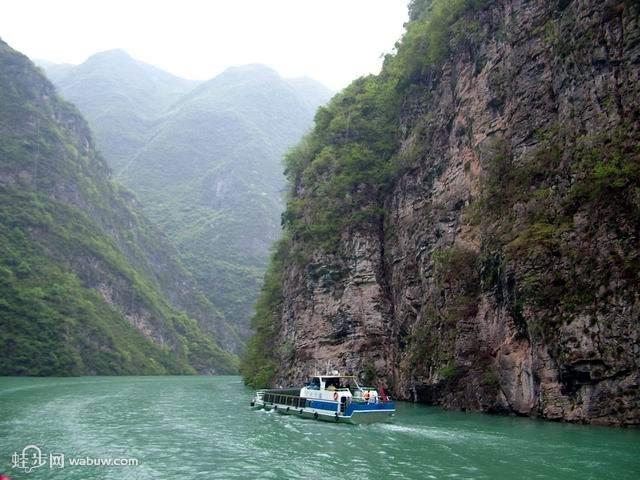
[(314, 384), (341, 383)]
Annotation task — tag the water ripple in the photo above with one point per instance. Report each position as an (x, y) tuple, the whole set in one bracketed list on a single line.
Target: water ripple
[(202, 427)]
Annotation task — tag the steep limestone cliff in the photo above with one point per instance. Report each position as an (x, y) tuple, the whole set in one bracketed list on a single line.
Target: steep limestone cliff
[(496, 265)]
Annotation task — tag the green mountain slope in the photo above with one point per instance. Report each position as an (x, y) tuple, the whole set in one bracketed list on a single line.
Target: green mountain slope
[(209, 171), (120, 97), (210, 177), (55, 71), (87, 285)]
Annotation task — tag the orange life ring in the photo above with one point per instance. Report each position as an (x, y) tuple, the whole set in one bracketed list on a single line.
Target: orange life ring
[(335, 395), (366, 395)]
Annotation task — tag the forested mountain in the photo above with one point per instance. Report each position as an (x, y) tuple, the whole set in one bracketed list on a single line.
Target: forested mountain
[(87, 284), (206, 167), (120, 97), (55, 71), (466, 224)]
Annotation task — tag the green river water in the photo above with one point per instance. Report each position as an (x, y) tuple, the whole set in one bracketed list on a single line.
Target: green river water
[(203, 427)]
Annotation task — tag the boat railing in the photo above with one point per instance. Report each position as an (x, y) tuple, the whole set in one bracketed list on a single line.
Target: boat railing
[(283, 399)]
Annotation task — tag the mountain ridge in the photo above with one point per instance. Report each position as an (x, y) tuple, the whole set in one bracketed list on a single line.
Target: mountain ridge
[(207, 170), (135, 93), (88, 285)]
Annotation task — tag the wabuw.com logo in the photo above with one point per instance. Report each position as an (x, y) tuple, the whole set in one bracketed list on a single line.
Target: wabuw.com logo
[(31, 458)]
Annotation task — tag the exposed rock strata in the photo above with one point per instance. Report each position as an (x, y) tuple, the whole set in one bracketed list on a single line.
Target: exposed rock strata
[(542, 77)]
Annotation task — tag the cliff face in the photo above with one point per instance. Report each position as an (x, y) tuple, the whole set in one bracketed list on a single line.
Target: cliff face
[(503, 271)]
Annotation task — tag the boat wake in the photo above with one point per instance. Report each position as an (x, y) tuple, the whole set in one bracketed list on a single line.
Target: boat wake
[(433, 433)]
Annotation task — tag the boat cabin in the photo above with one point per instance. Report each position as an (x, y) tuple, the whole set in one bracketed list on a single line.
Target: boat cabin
[(340, 388), (331, 397)]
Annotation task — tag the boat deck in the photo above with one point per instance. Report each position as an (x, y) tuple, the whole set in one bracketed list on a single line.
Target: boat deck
[(289, 402)]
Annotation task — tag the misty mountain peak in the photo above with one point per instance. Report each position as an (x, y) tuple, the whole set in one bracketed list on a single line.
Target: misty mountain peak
[(113, 55), (251, 69), (244, 73)]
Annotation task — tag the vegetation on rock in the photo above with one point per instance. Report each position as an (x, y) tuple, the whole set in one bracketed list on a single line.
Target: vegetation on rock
[(339, 173), (480, 199)]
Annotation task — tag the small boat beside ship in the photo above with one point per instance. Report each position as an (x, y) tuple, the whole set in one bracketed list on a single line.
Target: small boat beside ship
[(332, 397)]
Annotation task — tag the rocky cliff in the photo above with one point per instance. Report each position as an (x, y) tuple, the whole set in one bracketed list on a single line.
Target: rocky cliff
[(466, 224)]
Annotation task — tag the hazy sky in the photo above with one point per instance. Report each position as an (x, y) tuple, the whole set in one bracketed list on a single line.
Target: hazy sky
[(333, 41)]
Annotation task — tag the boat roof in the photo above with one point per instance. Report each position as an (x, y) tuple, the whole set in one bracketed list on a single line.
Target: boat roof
[(333, 376)]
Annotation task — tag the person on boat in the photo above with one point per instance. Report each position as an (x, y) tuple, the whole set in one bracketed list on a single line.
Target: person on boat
[(370, 396), (331, 384), (383, 394)]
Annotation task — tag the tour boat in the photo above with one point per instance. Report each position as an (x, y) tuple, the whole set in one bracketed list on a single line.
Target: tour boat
[(334, 397)]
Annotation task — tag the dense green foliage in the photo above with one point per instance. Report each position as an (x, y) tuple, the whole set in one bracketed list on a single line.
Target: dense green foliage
[(339, 173), (52, 324), (430, 37), (351, 157), (257, 366), (348, 160), (80, 269)]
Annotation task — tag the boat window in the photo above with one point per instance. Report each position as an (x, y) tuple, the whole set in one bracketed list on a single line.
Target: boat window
[(332, 383), (346, 383), (314, 384)]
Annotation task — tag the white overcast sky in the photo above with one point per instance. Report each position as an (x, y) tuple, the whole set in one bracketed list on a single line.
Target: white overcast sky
[(333, 41)]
